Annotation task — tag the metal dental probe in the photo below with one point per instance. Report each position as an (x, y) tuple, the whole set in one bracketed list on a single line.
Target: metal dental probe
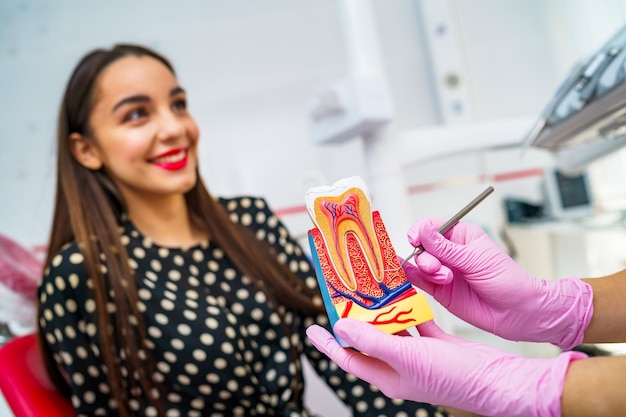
[(453, 220)]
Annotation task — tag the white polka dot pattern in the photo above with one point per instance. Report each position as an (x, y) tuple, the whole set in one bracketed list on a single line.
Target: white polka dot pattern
[(219, 348)]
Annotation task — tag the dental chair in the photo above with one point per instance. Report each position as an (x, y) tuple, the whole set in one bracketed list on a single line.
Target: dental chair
[(23, 381)]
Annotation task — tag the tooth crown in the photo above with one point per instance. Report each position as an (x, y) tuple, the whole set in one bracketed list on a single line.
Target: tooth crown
[(356, 265)]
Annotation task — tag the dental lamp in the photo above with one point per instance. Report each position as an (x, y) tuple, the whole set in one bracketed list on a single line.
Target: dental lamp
[(586, 118)]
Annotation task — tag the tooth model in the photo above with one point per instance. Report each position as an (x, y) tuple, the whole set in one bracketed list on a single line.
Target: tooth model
[(356, 265)]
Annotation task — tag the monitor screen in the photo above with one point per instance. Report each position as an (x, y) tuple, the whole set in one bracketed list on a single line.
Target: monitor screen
[(567, 196), (572, 190)]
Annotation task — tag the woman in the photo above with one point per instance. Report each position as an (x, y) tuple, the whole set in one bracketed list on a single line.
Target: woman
[(159, 299)]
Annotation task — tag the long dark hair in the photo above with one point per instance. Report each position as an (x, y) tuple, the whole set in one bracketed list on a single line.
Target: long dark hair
[(87, 210)]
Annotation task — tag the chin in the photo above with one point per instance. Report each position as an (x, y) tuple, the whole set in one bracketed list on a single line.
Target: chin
[(188, 186), (181, 184)]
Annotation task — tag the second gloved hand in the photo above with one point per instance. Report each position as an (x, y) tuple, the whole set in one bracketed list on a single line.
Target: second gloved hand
[(442, 369), (478, 282)]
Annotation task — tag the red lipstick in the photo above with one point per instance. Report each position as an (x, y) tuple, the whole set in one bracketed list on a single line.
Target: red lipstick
[(172, 160)]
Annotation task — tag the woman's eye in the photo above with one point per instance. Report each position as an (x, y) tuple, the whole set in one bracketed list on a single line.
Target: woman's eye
[(136, 114), (179, 105)]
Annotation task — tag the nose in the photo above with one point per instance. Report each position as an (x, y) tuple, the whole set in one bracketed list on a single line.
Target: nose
[(170, 126)]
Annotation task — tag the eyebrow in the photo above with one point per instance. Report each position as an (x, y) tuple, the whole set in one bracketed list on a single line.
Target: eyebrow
[(143, 98)]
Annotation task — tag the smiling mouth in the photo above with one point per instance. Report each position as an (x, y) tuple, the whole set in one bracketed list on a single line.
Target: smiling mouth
[(172, 160), (168, 159)]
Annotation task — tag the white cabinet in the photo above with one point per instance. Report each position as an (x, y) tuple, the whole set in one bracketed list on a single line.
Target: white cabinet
[(560, 249)]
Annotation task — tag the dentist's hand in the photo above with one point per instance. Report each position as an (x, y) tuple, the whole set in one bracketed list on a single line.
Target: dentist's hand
[(442, 369), (478, 282)]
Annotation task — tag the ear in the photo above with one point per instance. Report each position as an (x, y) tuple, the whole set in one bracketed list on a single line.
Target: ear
[(84, 150)]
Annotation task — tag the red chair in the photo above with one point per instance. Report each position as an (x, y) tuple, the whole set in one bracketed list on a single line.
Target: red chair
[(25, 384)]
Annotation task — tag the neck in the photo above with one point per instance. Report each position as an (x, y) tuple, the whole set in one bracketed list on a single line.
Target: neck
[(165, 221)]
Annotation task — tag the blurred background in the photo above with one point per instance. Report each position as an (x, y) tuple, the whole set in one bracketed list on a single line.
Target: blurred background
[(430, 101)]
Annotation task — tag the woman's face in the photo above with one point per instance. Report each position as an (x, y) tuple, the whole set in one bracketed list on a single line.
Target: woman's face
[(143, 134)]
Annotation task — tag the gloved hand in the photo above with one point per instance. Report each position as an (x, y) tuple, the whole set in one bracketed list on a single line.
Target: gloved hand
[(478, 282), (442, 369)]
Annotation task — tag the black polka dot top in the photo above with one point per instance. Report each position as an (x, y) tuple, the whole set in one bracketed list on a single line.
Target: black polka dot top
[(218, 345)]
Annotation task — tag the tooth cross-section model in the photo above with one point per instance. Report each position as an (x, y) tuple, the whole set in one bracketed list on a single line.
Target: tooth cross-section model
[(355, 262)]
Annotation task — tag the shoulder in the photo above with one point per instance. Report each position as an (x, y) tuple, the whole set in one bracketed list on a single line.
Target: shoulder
[(244, 204), (253, 212), (248, 210), (66, 267), (68, 257)]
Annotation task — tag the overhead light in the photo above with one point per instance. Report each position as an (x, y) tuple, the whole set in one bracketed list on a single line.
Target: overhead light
[(587, 115)]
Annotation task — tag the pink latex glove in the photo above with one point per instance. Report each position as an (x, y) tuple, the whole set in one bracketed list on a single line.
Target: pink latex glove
[(478, 282), (442, 369)]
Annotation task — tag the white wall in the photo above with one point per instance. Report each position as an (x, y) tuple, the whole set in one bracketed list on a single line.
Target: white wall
[(250, 66)]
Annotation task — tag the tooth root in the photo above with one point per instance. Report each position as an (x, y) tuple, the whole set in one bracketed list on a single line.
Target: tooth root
[(348, 214)]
